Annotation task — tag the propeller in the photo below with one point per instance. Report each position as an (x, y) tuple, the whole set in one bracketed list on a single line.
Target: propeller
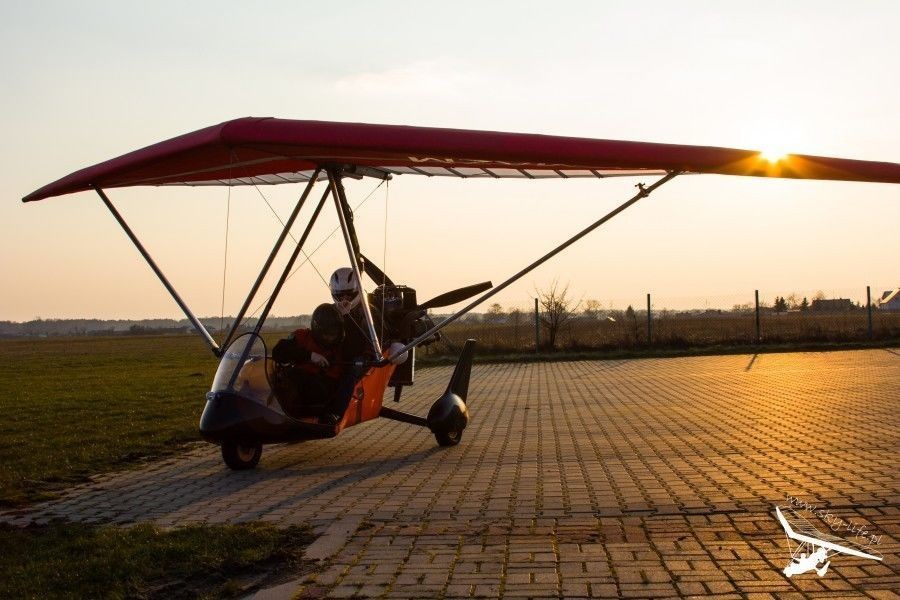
[(445, 299), (372, 270), (458, 295)]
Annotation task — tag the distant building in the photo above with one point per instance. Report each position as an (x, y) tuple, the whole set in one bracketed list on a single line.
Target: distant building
[(890, 300), (833, 305)]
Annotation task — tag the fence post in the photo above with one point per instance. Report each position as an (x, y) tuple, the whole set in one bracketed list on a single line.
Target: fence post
[(757, 317), (537, 327), (649, 322), (869, 308)]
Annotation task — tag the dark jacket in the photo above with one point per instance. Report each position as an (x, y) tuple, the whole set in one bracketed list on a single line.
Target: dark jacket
[(356, 335), (297, 350)]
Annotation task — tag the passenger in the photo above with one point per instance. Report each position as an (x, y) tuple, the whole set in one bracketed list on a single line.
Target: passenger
[(310, 377)]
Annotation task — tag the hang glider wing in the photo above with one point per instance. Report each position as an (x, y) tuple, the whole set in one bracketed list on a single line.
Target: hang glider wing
[(255, 151), (813, 536)]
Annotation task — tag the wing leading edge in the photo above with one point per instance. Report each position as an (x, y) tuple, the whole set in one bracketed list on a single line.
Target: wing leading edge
[(254, 151)]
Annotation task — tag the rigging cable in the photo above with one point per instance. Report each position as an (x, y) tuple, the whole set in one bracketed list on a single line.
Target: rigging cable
[(387, 197), (280, 220), (311, 254)]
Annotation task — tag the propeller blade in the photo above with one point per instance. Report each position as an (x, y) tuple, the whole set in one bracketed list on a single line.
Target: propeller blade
[(452, 297), (377, 275)]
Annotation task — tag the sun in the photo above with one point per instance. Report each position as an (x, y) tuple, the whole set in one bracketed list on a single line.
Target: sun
[(773, 155)]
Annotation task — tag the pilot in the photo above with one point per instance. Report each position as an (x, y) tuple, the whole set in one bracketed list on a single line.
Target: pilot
[(356, 346), (347, 296), (307, 356)]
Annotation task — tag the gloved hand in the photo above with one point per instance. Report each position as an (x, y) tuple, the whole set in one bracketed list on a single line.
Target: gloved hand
[(393, 348), (318, 360)]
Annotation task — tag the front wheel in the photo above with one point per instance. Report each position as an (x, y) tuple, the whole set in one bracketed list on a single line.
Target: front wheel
[(450, 438), (241, 456)]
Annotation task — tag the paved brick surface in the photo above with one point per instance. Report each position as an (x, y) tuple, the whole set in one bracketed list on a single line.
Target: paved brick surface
[(634, 478)]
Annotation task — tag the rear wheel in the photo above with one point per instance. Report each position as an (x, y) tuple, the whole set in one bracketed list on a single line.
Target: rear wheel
[(241, 456), (450, 438)]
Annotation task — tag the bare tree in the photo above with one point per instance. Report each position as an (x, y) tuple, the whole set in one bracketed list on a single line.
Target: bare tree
[(592, 308), (515, 318), (556, 310), (630, 315), (494, 314), (793, 302)]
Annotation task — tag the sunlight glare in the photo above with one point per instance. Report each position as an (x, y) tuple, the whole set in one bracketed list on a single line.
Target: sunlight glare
[(773, 155)]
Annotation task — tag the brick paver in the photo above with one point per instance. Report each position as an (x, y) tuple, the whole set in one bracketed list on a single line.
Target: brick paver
[(631, 478)]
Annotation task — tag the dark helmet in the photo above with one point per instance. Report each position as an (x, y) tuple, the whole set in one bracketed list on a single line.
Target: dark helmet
[(327, 326)]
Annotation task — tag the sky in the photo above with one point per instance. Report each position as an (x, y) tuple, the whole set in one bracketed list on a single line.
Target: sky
[(84, 82)]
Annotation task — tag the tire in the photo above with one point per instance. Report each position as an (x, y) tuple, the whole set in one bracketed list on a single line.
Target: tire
[(450, 438), (240, 457)]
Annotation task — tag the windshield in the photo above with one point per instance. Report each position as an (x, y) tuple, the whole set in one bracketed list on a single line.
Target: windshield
[(243, 370)]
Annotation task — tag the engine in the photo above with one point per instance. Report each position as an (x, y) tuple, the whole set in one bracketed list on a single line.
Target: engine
[(404, 319)]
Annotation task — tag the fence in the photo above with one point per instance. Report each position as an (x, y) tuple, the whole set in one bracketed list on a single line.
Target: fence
[(754, 318)]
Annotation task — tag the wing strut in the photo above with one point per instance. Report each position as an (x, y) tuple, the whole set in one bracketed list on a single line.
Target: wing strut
[(643, 193), (268, 263), (284, 276), (346, 218), (187, 311)]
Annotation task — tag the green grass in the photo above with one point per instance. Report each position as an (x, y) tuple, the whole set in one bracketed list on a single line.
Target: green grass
[(77, 406), (81, 561)]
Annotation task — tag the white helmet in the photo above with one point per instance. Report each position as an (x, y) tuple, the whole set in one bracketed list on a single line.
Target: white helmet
[(345, 290)]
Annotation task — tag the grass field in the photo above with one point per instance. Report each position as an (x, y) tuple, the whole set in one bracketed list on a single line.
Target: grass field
[(678, 330), (72, 561), (76, 406)]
